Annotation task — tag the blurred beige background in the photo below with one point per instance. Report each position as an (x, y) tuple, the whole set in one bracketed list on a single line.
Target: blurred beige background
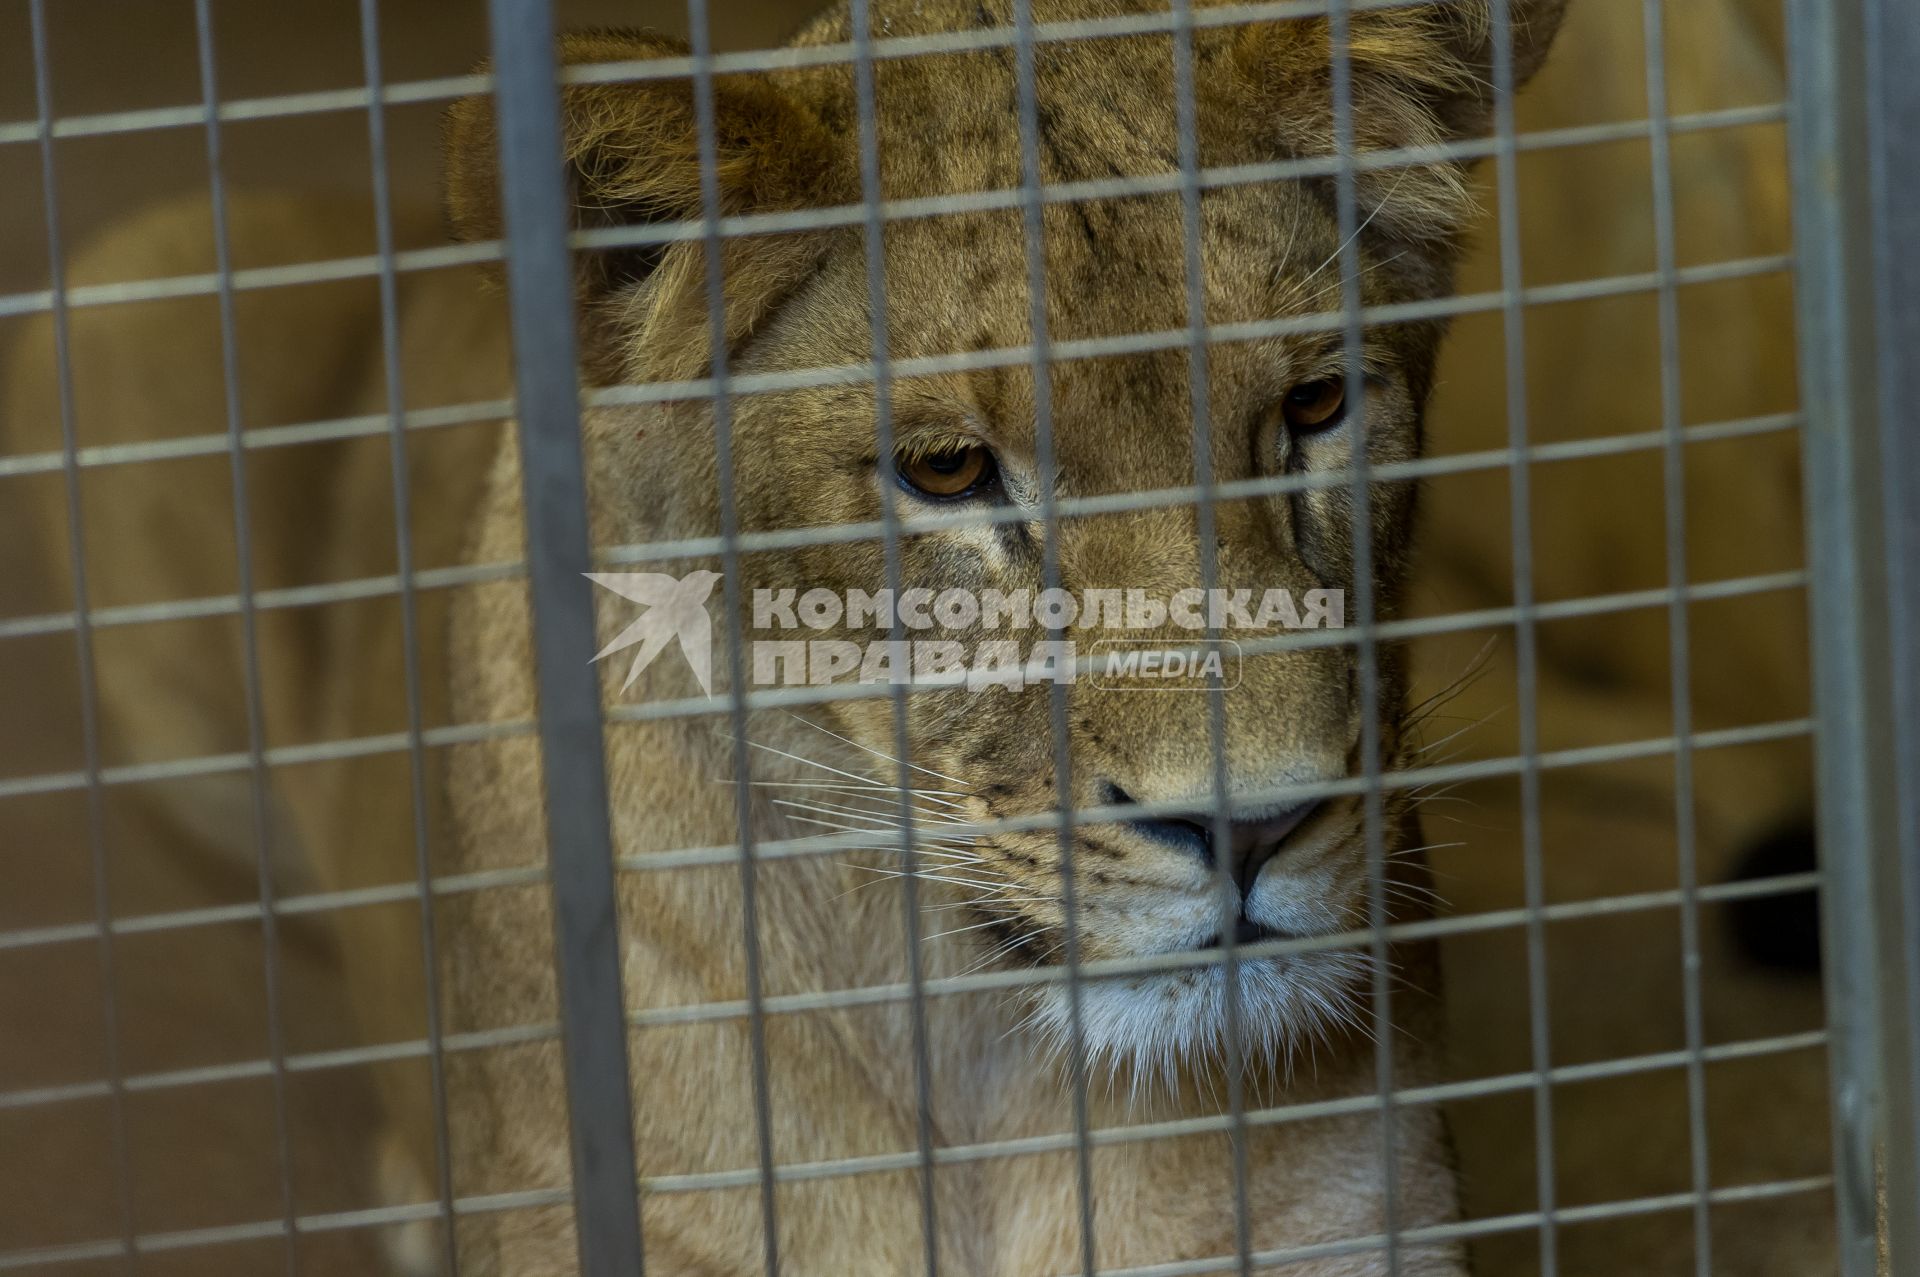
[(201, 1155)]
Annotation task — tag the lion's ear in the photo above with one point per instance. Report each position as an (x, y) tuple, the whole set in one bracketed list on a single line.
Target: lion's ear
[(1443, 51), (1421, 75), (632, 155)]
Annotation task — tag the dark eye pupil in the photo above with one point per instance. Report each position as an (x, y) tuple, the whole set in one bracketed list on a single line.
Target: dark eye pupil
[(1315, 405), (957, 472)]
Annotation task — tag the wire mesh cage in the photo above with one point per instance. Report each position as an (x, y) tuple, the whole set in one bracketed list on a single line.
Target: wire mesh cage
[(1033, 637)]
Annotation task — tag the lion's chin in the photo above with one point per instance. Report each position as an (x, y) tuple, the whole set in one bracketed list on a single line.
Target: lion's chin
[(1152, 1030)]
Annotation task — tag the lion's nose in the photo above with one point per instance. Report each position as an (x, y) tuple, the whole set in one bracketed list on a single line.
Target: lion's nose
[(1258, 840), (1254, 837)]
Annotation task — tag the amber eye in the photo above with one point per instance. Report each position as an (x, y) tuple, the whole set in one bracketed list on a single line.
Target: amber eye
[(1315, 405), (948, 474)]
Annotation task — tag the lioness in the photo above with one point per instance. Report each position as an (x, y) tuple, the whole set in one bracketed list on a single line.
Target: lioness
[(842, 1082)]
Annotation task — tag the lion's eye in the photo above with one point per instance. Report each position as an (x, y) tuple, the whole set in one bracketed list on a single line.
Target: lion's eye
[(947, 475), (1315, 405)]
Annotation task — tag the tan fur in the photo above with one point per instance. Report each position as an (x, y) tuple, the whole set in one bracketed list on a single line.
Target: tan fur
[(842, 1083), (946, 125)]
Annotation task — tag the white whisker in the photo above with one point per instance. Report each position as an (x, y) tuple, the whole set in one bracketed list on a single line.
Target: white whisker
[(876, 753)]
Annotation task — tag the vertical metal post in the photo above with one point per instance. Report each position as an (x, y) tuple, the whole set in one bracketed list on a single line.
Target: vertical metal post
[(580, 841), (1367, 643), (1526, 653), (1679, 630), (1856, 168), (712, 244), (866, 88), (1200, 396), (249, 621), (1894, 133), (417, 783), (1033, 234), (83, 653)]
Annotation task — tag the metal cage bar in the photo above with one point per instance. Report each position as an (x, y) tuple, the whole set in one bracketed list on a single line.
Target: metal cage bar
[(580, 837), (418, 784), (84, 655), (259, 800), (1042, 351), (785, 58), (1400, 778), (1361, 473), (651, 1017), (713, 246), (667, 232), (1894, 34), (49, 1258), (1856, 154), (1140, 499), (872, 193), (1679, 625), (1525, 633)]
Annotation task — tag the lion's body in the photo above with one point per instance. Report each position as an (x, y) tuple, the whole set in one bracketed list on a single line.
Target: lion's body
[(841, 1082)]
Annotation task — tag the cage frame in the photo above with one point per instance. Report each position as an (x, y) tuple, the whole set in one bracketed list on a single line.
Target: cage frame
[(1855, 155)]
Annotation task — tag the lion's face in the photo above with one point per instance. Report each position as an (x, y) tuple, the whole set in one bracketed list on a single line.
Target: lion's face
[(1117, 420), (1119, 425)]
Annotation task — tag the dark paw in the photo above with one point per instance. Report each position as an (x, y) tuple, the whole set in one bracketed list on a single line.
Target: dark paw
[(1779, 932)]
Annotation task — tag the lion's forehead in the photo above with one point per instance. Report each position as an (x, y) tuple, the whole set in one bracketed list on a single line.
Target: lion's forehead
[(1117, 318), (1108, 266), (963, 122)]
